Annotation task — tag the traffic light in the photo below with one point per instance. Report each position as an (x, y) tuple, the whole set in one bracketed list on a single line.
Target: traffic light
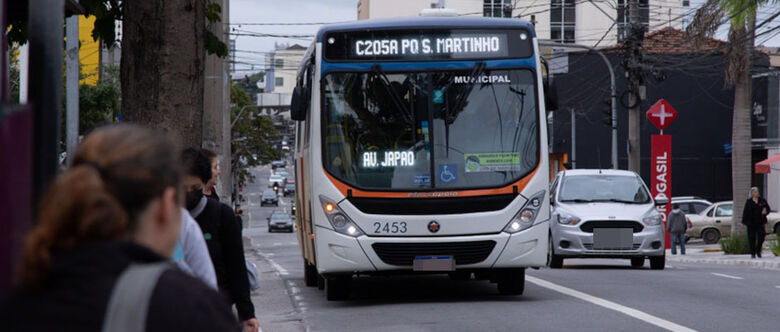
[(607, 112)]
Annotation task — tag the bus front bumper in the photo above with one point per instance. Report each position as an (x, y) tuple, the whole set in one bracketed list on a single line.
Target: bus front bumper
[(337, 253)]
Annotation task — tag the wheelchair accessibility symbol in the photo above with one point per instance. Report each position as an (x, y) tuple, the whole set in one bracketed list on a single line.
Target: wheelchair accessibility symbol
[(448, 173)]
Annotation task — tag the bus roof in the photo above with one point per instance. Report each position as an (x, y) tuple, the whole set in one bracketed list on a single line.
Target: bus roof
[(427, 22)]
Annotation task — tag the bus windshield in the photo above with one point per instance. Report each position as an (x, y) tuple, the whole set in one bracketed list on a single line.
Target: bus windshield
[(473, 128)]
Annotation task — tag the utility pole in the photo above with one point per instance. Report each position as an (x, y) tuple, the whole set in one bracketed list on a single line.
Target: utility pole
[(633, 58), (72, 85)]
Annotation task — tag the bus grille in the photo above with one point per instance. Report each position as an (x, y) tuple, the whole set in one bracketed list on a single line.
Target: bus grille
[(463, 252)]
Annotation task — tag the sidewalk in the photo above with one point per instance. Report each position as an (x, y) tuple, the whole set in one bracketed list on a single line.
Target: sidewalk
[(711, 254)]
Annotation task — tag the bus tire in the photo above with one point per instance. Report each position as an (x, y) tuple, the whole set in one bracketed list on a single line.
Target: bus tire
[(337, 287), (511, 282), (309, 274), (320, 282)]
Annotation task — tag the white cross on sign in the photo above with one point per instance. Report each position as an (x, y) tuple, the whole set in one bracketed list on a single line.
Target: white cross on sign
[(662, 115)]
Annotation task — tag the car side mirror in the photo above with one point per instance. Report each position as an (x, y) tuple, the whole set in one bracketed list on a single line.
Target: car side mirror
[(661, 200)]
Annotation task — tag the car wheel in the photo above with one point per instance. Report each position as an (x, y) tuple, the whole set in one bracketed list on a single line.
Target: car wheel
[(553, 261), (337, 287), (777, 228), (710, 236), (511, 282), (309, 274), (637, 262), (657, 262), (687, 238)]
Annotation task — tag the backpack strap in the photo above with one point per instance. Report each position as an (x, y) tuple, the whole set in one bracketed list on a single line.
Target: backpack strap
[(128, 304)]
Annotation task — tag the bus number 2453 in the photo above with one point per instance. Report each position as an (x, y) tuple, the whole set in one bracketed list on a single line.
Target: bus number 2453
[(394, 227)]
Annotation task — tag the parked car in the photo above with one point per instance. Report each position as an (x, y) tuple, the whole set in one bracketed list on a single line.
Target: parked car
[(715, 222), (604, 214), (280, 221), (289, 189), (269, 198), (691, 204)]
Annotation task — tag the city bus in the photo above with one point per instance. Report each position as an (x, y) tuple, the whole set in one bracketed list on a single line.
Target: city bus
[(421, 147)]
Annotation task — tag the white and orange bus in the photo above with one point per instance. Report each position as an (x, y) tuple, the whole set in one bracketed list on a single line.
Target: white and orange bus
[(421, 147)]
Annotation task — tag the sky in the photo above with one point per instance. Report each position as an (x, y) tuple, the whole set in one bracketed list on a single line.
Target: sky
[(251, 48)]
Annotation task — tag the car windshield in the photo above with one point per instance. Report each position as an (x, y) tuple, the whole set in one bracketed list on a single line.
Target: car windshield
[(603, 188), (280, 216), (269, 194), (423, 130)]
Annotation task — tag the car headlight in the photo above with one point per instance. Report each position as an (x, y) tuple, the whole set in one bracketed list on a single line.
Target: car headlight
[(338, 219), (652, 220), (527, 215), (567, 219)]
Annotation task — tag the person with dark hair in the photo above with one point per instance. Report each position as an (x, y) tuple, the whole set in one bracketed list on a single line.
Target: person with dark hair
[(210, 190), (223, 237), (754, 217), (676, 227), (106, 226)]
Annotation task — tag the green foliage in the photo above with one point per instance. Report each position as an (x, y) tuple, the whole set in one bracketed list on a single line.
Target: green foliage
[(775, 246), (100, 104), (253, 136), (106, 12), (13, 51), (735, 245), (249, 84)]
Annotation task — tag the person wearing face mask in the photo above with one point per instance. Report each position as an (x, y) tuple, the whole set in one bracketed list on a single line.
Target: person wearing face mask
[(114, 214), (210, 189), (223, 237), (191, 253), (676, 227)]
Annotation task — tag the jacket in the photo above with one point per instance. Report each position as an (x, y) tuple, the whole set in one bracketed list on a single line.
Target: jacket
[(752, 213), (75, 295), (226, 248), (194, 250), (677, 222)]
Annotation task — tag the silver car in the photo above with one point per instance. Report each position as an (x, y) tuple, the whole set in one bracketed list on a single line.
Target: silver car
[(604, 214)]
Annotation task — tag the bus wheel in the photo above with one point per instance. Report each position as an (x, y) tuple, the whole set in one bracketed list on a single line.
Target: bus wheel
[(309, 274), (320, 282), (511, 282), (337, 287)]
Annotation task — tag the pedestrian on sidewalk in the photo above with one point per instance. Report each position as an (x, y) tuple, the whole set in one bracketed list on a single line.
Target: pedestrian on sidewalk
[(223, 237), (192, 254), (676, 227), (754, 217), (113, 214)]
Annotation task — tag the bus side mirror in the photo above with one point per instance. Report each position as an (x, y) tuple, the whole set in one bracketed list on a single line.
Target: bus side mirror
[(299, 103), (550, 94)]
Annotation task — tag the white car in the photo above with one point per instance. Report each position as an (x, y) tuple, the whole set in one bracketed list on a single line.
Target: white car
[(275, 179), (604, 214)]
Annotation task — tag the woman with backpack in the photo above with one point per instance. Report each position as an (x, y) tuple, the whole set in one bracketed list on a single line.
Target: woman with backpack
[(98, 256)]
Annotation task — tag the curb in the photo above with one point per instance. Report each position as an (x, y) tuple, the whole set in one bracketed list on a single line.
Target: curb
[(761, 263)]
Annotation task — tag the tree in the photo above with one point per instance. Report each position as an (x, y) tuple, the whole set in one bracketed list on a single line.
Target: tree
[(741, 16), (253, 136), (100, 104)]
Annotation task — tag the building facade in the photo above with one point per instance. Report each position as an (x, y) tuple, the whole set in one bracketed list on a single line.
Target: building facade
[(281, 68), (593, 23)]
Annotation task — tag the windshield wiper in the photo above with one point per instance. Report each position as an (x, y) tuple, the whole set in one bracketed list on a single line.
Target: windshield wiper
[(615, 200), (578, 200), (406, 114)]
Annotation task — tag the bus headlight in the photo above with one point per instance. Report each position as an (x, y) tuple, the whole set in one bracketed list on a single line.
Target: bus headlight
[(338, 219), (527, 215)]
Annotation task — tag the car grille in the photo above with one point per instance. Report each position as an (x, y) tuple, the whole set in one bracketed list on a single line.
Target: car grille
[(588, 226), (463, 252), (589, 246)]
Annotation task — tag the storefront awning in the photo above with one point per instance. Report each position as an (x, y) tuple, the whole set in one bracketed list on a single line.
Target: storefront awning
[(765, 166)]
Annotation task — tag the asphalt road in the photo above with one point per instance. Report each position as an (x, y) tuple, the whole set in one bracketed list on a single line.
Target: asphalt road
[(586, 295)]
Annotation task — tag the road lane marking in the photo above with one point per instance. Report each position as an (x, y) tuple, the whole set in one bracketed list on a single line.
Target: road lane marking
[(279, 269), (643, 316), (726, 276), (777, 287)]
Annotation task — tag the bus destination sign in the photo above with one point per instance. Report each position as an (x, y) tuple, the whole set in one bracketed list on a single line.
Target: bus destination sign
[(432, 45)]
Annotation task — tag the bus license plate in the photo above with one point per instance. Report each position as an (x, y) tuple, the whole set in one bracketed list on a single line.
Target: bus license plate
[(613, 238), (433, 263)]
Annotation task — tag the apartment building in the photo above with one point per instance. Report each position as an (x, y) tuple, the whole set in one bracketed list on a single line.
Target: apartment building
[(587, 22), (281, 67)]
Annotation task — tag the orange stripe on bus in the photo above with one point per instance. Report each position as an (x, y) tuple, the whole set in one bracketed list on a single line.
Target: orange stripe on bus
[(509, 189)]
